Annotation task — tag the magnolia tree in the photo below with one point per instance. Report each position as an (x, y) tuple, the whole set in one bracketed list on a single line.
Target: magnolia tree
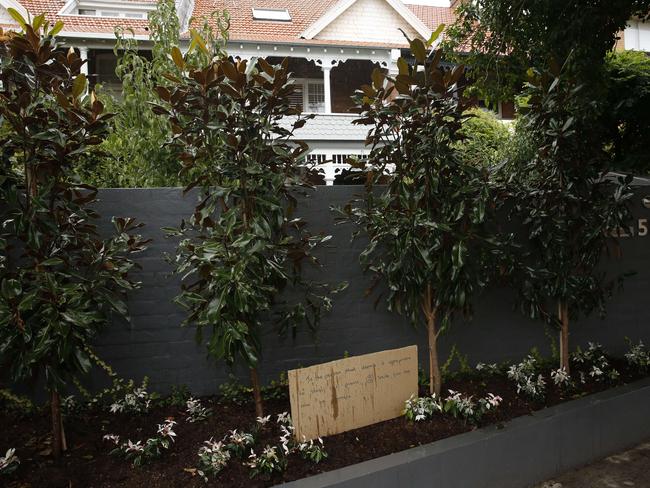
[(59, 281), (561, 193), (568, 207), (429, 239), (242, 251)]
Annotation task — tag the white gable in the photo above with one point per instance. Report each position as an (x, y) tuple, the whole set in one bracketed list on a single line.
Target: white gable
[(5, 18), (373, 21)]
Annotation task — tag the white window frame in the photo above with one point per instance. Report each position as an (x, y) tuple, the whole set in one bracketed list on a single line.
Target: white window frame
[(117, 9), (305, 82), (271, 14)]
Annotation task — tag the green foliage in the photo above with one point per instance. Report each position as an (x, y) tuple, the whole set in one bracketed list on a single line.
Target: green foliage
[(243, 246), (135, 153), (567, 207), (234, 392), (177, 397), (485, 139), (16, 404), (501, 39), (626, 113), (60, 281), (463, 364), (429, 239)]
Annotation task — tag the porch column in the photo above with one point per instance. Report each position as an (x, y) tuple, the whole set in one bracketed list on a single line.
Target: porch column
[(83, 54), (327, 86)]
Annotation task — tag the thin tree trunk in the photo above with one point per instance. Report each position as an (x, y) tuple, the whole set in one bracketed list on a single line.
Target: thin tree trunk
[(430, 312), (257, 393), (57, 425), (563, 314)]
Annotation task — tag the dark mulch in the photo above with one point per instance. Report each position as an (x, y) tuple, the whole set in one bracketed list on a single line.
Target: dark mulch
[(87, 464)]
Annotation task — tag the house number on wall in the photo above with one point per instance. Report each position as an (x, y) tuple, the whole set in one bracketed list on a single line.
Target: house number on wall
[(640, 230)]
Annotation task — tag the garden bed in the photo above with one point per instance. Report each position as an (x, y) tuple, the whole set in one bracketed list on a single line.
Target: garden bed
[(88, 462)]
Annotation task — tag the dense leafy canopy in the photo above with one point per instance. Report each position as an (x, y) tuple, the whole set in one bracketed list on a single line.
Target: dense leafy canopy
[(59, 280), (243, 250), (627, 111), (429, 240), (500, 39)]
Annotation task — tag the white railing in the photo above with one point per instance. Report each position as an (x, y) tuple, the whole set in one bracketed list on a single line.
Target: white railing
[(332, 163)]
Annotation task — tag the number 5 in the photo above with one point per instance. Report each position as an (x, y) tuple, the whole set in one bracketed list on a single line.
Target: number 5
[(643, 227)]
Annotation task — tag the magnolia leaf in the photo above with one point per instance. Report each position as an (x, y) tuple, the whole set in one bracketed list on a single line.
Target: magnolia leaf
[(230, 71), (38, 22), (435, 34), (378, 78), (419, 50), (79, 85), (402, 66), (17, 17), (56, 29)]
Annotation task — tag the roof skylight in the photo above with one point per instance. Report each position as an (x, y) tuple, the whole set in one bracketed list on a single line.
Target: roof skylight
[(281, 15)]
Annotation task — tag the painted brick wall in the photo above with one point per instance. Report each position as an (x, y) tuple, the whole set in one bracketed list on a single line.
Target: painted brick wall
[(155, 344), (360, 21)]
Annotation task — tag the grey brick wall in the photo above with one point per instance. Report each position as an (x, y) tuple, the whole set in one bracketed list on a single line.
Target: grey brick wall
[(154, 343)]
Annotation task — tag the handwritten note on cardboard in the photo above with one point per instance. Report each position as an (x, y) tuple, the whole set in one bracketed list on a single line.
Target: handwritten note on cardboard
[(335, 397)]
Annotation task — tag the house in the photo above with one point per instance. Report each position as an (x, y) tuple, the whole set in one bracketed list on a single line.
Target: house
[(332, 45)]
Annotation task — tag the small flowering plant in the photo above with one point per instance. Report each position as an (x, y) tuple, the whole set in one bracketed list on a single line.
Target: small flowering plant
[(9, 462), (268, 462), (491, 369), (527, 378), (136, 401), (312, 451), (213, 458), (561, 378), (594, 361), (465, 408), (638, 357), (239, 443), (456, 404), (196, 412), (417, 409), (141, 453)]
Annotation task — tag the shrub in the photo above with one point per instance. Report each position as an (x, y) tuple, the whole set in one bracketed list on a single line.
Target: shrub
[(429, 240), (243, 249), (486, 139), (59, 280)]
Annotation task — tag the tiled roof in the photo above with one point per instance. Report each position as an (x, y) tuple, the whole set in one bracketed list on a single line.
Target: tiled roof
[(433, 16), (82, 23), (303, 13), (243, 28)]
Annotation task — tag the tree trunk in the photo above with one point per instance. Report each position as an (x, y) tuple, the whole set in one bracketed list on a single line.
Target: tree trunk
[(257, 393), (57, 425), (563, 314), (430, 312)]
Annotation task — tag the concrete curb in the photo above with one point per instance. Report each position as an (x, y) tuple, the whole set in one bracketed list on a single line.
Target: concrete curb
[(526, 451)]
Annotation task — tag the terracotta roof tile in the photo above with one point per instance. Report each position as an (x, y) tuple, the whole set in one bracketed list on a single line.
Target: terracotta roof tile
[(303, 14), (243, 28), (82, 23)]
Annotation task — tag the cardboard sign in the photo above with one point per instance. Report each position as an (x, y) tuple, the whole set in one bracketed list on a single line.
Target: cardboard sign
[(350, 393)]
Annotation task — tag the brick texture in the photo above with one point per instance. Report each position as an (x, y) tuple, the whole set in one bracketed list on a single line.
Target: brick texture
[(155, 344)]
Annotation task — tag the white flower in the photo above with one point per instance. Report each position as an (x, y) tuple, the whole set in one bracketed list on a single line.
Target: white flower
[(166, 429), (10, 461), (133, 447), (284, 418), (115, 439), (262, 421)]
